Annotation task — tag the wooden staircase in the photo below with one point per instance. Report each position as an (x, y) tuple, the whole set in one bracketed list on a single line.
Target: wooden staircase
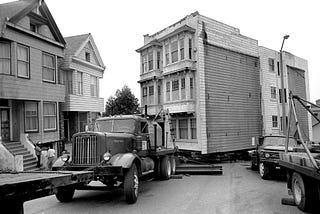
[(16, 148)]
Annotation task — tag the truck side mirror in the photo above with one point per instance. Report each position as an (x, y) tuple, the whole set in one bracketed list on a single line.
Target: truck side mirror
[(260, 141)]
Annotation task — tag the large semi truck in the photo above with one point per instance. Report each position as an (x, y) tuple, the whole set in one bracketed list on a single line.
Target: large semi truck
[(121, 150)]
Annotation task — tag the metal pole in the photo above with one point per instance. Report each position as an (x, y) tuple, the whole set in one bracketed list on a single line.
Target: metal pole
[(282, 89)]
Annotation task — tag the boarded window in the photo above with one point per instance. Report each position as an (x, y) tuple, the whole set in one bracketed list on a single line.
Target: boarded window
[(4, 58), (23, 61), (31, 117), (48, 67), (49, 116)]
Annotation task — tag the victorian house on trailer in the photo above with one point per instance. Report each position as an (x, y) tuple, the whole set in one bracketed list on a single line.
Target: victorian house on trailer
[(30, 47), (296, 81), (206, 75), (81, 69)]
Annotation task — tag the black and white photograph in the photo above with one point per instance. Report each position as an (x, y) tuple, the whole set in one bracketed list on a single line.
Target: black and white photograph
[(155, 107)]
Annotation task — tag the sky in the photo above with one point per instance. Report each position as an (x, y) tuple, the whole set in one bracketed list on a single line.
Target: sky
[(118, 27)]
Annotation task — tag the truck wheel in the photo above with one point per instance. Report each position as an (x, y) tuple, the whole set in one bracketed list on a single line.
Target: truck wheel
[(165, 168), (65, 194), (303, 192), (131, 185), (173, 165), (264, 170)]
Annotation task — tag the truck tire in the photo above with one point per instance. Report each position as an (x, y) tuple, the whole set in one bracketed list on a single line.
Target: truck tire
[(65, 194), (303, 192), (165, 168), (264, 171), (173, 165), (131, 185)]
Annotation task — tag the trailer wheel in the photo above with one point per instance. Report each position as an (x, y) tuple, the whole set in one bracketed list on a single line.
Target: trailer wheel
[(264, 170), (173, 165), (65, 194), (131, 185), (165, 168), (303, 193)]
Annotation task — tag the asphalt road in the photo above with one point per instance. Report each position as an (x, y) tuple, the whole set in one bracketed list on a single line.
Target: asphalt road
[(238, 190)]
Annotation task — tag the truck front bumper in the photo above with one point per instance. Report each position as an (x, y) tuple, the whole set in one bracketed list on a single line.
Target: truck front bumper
[(104, 170)]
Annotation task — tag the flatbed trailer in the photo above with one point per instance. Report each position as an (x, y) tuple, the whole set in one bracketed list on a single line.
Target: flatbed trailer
[(18, 187), (302, 165)]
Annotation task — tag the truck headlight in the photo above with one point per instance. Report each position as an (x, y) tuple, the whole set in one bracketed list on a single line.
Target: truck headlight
[(107, 156), (267, 155), (65, 158)]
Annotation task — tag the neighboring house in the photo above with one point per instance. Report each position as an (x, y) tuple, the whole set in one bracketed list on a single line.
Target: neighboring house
[(206, 74), (296, 80), (30, 47), (81, 70)]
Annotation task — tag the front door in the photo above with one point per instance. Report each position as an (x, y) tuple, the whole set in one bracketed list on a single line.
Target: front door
[(5, 124)]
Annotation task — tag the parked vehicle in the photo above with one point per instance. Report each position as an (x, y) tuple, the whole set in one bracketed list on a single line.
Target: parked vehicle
[(265, 157), (122, 150)]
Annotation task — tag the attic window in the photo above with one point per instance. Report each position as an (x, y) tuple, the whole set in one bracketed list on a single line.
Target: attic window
[(33, 27), (87, 56)]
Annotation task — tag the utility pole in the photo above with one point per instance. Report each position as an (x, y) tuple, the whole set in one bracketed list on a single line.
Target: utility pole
[(284, 125)]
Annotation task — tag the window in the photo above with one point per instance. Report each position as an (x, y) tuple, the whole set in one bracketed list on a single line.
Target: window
[(61, 77), (285, 95), (23, 61), (181, 48), (151, 90), (87, 55), (33, 27), (69, 82), (144, 63), (274, 121), (49, 116), (31, 117), (167, 54), (271, 64), (173, 128), (158, 60), (191, 88), (94, 86), (183, 129), (150, 60), (159, 94), (175, 85), (273, 92), (48, 67), (5, 58), (190, 48), (183, 83), (281, 122), (174, 51), (80, 82), (193, 127), (167, 86), (278, 66), (144, 91)]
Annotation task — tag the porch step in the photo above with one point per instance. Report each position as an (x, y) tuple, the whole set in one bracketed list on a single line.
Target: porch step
[(16, 148)]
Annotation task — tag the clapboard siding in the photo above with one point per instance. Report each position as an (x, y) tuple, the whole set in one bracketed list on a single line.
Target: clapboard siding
[(82, 103), (232, 99)]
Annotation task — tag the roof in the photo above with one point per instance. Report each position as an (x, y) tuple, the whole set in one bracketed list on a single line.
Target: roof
[(76, 43), (122, 117), (13, 12)]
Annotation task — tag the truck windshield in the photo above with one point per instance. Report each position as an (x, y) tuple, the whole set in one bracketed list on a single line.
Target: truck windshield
[(117, 126), (278, 141)]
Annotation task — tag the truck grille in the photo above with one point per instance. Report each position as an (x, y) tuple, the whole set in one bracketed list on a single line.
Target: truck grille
[(85, 150)]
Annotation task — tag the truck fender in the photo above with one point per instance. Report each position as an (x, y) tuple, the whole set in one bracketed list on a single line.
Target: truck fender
[(125, 160)]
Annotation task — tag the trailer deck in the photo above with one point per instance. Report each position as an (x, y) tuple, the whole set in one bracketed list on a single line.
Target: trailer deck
[(16, 188)]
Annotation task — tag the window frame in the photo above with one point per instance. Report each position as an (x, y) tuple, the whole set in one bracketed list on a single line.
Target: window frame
[(274, 120), (150, 60), (181, 48), (175, 85), (55, 116), (174, 52), (184, 128), (95, 86), (271, 64), (27, 62), (151, 90), (144, 91), (193, 128), (273, 92), (50, 68), (80, 83), (7, 59), (36, 116), (87, 56)]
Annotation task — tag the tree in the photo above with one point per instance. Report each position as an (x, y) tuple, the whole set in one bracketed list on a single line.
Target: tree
[(124, 102)]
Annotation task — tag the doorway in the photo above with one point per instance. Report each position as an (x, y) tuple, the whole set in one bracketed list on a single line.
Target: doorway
[(5, 124)]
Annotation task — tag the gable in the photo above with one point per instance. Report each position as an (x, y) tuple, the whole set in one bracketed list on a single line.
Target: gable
[(88, 49), (36, 19)]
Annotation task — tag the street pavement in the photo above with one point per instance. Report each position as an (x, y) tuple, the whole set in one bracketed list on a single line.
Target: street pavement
[(238, 191)]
